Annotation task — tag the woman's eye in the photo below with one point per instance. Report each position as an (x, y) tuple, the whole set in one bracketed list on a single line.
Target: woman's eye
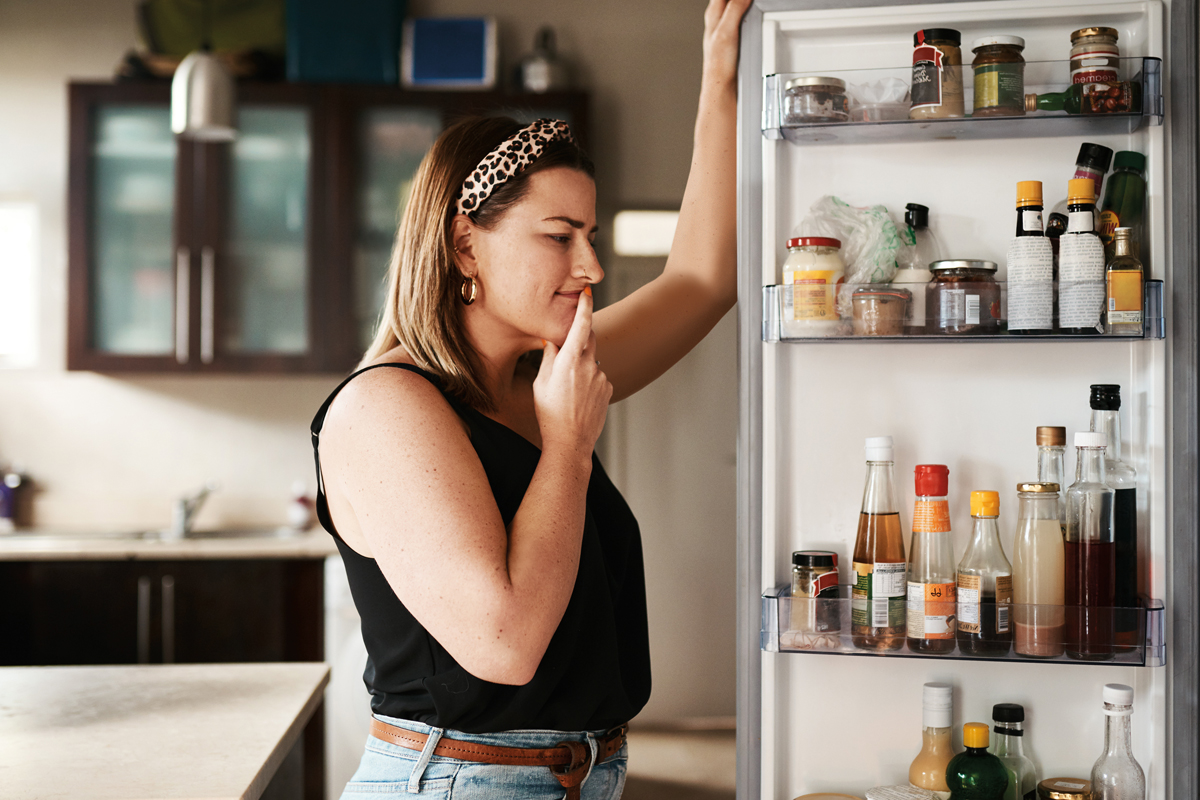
[(560, 239)]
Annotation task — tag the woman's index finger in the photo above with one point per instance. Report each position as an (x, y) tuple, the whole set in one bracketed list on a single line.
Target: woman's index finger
[(581, 327)]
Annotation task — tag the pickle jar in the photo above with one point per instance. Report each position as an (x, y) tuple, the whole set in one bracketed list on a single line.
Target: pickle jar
[(937, 81), (815, 99), (963, 298), (999, 76)]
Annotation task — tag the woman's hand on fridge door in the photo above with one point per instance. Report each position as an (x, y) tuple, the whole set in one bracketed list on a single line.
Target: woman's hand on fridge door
[(641, 336)]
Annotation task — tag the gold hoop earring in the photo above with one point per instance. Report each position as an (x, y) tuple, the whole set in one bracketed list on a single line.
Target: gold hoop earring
[(462, 291)]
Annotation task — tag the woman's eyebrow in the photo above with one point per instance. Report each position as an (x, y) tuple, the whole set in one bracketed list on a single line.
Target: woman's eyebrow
[(574, 223)]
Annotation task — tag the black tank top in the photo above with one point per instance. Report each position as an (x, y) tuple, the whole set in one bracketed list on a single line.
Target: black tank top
[(595, 673)]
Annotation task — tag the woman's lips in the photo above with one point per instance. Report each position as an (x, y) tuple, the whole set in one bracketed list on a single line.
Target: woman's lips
[(571, 295)]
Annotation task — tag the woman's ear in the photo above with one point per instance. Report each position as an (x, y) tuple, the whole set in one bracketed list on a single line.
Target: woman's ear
[(461, 232)]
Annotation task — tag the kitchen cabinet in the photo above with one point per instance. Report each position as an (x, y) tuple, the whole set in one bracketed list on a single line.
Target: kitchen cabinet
[(168, 611), (267, 254)]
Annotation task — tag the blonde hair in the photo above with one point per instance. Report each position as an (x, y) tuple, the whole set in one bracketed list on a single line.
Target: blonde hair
[(423, 312)]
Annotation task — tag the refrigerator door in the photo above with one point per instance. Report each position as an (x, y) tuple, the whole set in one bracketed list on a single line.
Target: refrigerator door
[(811, 722)]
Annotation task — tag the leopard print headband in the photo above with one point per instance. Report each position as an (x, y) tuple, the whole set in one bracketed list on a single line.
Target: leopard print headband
[(508, 158)]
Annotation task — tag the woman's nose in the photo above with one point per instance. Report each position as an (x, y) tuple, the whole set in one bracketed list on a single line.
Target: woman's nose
[(587, 266)]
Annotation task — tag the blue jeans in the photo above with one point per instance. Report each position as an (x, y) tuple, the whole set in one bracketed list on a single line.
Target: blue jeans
[(388, 770)]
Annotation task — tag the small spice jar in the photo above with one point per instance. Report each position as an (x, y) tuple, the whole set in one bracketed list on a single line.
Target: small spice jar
[(814, 586), (937, 84), (1095, 57), (999, 76), (880, 310), (963, 298), (815, 99), (1065, 789)]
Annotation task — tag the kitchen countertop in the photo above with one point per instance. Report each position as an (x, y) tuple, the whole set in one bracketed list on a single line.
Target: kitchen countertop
[(72, 546), (211, 731)]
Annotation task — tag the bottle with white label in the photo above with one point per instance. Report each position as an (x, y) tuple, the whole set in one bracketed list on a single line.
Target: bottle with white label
[(984, 583), (877, 605), (1081, 288), (1030, 267), (931, 579)]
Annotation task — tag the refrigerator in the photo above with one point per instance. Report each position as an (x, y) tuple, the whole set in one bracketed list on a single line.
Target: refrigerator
[(844, 721)]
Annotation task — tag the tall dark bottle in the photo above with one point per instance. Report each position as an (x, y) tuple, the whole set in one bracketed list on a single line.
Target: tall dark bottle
[(1089, 555), (1106, 419)]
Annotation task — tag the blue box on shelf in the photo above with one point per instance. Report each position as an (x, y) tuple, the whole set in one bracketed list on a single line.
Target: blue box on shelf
[(449, 53), (347, 42)]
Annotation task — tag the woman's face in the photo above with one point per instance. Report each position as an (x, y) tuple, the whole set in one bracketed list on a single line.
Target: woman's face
[(532, 266)]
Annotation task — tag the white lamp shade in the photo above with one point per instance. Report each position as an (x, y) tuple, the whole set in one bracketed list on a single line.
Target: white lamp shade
[(202, 99)]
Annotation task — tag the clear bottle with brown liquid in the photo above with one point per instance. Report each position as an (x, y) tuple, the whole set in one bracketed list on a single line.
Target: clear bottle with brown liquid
[(878, 601)]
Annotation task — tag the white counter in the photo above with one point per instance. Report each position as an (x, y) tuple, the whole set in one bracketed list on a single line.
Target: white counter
[(211, 731), (56, 546)]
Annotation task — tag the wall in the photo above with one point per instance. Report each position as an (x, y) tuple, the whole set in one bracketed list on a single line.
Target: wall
[(112, 451)]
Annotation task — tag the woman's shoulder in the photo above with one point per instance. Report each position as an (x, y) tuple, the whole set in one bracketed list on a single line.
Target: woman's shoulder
[(387, 390)]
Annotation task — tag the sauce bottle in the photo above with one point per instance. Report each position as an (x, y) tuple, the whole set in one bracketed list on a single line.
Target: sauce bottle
[(1038, 572), (1081, 289), (1030, 267), (1089, 555), (976, 774), (877, 607), (931, 579), (984, 583), (1008, 725), (928, 770)]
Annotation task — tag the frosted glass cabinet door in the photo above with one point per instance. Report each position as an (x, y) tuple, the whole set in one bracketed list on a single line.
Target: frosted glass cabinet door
[(392, 142), (265, 272), (133, 200)]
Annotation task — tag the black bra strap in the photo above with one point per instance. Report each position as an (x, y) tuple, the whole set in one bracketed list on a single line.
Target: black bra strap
[(319, 422)]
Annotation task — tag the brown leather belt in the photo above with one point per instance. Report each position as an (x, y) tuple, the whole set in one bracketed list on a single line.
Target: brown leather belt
[(568, 761)]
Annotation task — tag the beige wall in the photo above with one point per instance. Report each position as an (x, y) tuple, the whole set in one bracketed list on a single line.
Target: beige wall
[(112, 451)]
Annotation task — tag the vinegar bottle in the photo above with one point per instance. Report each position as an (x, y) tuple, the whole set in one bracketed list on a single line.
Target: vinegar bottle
[(1106, 419), (976, 774), (931, 580), (1038, 572), (1051, 444), (1116, 774), (984, 583), (877, 606), (928, 770), (1089, 555)]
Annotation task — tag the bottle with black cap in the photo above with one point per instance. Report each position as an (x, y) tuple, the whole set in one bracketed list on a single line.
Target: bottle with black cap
[(1008, 724), (1106, 419), (920, 249), (1092, 162)]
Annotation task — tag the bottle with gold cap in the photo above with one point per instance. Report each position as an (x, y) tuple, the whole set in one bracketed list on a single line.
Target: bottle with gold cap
[(976, 774), (1123, 312), (1038, 572), (1030, 267), (1052, 445), (984, 583), (1081, 289)]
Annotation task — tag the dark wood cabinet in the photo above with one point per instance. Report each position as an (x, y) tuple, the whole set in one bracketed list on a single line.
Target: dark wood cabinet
[(262, 255), (187, 611)]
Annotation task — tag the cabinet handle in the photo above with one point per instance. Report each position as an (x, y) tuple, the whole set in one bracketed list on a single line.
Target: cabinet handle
[(143, 620), (168, 619), (208, 260), (183, 272)]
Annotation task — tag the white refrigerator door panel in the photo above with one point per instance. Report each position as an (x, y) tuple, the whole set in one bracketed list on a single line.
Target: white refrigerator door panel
[(843, 723)]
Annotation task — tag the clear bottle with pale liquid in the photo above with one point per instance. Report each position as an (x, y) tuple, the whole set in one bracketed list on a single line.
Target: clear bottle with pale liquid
[(878, 601), (1038, 615), (928, 769)]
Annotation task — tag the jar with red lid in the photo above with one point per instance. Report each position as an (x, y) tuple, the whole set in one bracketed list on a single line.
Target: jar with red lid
[(812, 275)]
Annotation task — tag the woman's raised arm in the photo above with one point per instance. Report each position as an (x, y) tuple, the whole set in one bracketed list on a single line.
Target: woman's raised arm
[(642, 336)]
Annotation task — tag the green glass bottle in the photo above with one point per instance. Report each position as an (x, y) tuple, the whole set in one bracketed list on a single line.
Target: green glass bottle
[(1112, 98), (976, 774)]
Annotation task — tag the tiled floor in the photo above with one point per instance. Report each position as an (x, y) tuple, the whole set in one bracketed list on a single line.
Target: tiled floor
[(674, 765)]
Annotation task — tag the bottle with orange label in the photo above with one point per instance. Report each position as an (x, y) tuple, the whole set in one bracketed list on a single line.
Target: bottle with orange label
[(1124, 279), (931, 577), (812, 276)]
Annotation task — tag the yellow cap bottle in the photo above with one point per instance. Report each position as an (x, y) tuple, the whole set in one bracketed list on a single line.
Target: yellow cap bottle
[(1029, 193), (985, 504), (1081, 191), (975, 734)]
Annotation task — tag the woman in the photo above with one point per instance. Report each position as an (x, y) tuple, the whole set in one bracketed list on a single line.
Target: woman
[(497, 571)]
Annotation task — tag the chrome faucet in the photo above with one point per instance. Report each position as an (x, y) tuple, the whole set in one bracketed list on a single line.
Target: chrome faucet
[(183, 513)]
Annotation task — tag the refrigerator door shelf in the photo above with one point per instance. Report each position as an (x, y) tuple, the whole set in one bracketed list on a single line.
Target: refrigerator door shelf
[(826, 630), (776, 311), (1041, 77)]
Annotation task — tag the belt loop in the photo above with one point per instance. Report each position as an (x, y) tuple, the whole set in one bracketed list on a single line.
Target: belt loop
[(594, 747), (418, 771)]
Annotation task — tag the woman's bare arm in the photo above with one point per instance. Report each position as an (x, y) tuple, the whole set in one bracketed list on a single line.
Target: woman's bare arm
[(641, 336), (401, 470)]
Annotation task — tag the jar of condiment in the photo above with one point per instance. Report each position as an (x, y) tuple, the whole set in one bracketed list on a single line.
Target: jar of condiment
[(1065, 789), (937, 85), (962, 298), (999, 76), (815, 99), (880, 310), (1095, 57), (814, 585), (812, 275)]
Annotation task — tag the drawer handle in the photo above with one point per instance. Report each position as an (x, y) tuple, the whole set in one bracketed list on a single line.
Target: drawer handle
[(183, 273)]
